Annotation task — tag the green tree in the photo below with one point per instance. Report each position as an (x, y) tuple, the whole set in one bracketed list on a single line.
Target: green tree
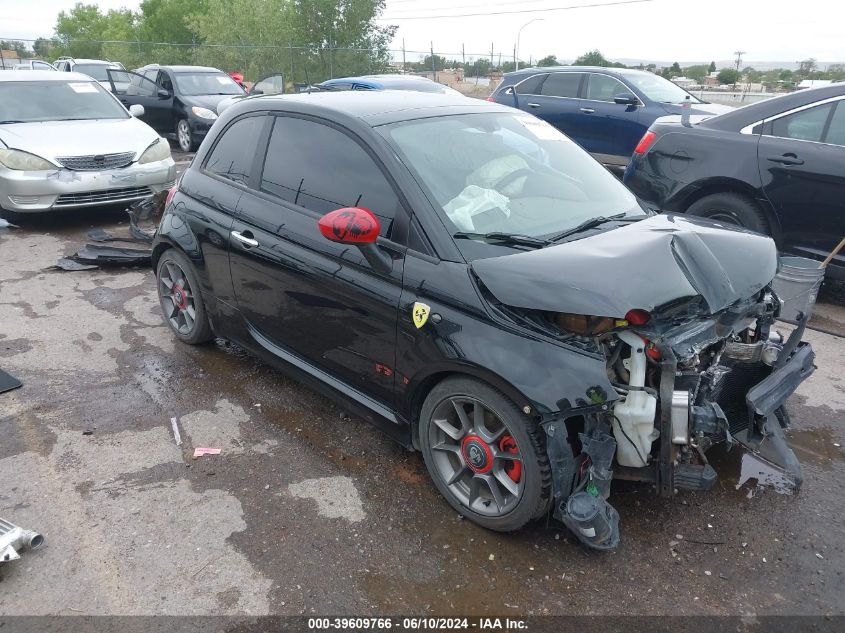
[(698, 72), (430, 63), (836, 72), (170, 21), (806, 68), (479, 68), (712, 67), (548, 60), (675, 69), (728, 76), (43, 47), (592, 58), (752, 75), (16, 45)]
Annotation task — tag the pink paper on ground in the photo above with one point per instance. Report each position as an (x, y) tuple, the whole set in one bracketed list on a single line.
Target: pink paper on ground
[(199, 452)]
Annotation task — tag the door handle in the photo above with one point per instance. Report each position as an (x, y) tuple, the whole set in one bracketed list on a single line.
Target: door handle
[(245, 238), (787, 159), (533, 105), (587, 110)]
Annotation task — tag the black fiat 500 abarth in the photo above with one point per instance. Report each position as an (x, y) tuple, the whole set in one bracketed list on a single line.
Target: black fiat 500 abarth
[(467, 278)]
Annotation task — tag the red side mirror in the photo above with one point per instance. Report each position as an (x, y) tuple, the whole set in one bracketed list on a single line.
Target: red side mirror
[(351, 225)]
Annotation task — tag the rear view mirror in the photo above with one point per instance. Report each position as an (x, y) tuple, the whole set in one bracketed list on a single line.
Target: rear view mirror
[(136, 110), (163, 94), (510, 91), (256, 91), (625, 98), (358, 227)]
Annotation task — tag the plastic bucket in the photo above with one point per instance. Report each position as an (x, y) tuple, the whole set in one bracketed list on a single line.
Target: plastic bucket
[(797, 285)]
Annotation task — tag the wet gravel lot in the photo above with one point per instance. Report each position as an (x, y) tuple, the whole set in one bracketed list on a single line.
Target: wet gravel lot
[(308, 510)]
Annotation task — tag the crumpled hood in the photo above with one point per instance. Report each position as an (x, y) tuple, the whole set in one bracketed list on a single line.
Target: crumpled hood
[(50, 139), (642, 265)]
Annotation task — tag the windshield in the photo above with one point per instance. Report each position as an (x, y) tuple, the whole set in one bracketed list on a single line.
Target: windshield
[(659, 89), (508, 173), (95, 71), (29, 101), (420, 86), (193, 84)]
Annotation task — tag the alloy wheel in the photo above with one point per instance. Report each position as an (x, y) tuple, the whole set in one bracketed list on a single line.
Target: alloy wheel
[(183, 132), (476, 456), (177, 298)]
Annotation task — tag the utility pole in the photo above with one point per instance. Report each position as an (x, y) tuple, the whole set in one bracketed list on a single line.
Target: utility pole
[(404, 67), (464, 57), (739, 55), (514, 58), (491, 56), (433, 62)]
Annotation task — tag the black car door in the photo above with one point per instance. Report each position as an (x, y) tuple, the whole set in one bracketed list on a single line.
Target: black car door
[(315, 303), (132, 88), (801, 155)]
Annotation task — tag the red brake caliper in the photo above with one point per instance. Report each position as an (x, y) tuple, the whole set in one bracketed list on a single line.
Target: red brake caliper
[(512, 467)]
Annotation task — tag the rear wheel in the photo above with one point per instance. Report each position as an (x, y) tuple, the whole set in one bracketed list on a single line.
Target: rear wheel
[(180, 298), (731, 208), (486, 458)]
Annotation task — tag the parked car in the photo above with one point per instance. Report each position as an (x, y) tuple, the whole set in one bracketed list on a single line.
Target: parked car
[(776, 167), (605, 110), (387, 82), (66, 143), (34, 64), (94, 68), (470, 280), (272, 84), (180, 102)]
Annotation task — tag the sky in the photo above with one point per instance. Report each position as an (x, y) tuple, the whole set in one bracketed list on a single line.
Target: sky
[(666, 30)]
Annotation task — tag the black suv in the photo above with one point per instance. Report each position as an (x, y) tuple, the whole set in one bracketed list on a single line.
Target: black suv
[(180, 102), (467, 278)]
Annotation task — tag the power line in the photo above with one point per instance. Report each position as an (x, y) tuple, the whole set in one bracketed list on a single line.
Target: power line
[(513, 11)]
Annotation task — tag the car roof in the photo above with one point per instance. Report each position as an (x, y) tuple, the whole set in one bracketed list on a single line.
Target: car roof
[(77, 60), (754, 112), (372, 108), (40, 75), (534, 70), (385, 79), (183, 69)]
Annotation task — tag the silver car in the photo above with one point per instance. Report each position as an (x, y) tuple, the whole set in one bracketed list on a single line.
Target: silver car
[(66, 142)]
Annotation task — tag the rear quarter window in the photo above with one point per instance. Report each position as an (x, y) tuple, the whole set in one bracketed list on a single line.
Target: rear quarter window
[(233, 154)]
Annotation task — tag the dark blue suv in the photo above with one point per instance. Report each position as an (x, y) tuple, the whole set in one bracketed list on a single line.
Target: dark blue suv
[(605, 110)]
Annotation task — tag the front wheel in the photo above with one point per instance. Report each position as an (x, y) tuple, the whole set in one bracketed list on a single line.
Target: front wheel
[(180, 298), (486, 458), (184, 136)]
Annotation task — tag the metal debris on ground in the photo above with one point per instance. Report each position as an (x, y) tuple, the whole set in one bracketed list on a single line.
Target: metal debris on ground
[(176, 435), (14, 539), (68, 264), (8, 382), (100, 235), (199, 452), (113, 256)]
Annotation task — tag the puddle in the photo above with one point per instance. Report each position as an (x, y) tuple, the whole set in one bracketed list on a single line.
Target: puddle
[(766, 475)]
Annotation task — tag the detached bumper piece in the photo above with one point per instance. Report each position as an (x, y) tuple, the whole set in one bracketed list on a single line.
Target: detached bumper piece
[(14, 539)]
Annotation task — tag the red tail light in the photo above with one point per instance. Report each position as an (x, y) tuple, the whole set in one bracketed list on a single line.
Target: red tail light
[(170, 193), (637, 317), (645, 142)]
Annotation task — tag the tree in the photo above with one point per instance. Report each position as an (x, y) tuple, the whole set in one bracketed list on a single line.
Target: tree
[(479, 68), (548, 60), (698, 72), (436, 63), (675, 68), (752, 75), (806, 68), (17, 46), (728, 76), (712, 68), (591, 58), (43, 47)]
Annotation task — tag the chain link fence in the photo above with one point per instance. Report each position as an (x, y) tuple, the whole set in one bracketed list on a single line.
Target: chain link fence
[(468, 72)]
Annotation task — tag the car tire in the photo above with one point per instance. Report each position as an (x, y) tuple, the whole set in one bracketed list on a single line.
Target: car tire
[(731, 208), (181, 299), (184, 138), (524, 495), (11, 216)]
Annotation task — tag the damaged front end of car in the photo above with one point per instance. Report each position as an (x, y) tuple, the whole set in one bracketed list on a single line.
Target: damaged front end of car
[(698, 364)]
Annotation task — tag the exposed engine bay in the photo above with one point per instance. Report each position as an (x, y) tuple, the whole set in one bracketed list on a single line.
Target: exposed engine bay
[(684, 382)]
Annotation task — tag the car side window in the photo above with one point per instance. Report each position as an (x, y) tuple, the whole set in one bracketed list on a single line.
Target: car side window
[(605, 88), (806, 125), (318, 167), (562, 85), (140, 86), (836, 128), (164, 81), (530, 86), (232, 156)]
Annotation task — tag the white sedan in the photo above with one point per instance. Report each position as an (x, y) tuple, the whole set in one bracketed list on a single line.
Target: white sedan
[(66, 142)]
